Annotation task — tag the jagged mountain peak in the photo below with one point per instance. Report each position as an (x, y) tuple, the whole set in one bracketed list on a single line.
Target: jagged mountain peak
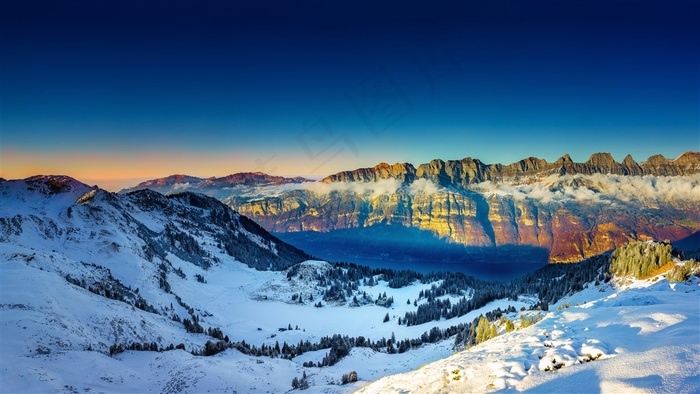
[(96, 195), (629, 161), (656, 160), (56, 184), (689, 160), (689, 156), (601, 160), (40, 194), (564, 159), (529, 164)]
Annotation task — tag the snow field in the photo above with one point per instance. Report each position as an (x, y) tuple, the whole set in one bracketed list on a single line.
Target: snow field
[(57, 331), (639, 339)]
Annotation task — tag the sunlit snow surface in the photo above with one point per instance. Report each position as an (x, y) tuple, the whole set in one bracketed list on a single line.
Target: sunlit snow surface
[(644, 338)]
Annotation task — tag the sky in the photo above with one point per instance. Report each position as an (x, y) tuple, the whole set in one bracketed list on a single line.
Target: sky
[(113, 93)]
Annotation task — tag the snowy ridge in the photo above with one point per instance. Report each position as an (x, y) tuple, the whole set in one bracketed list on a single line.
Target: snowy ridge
[(643, 338)]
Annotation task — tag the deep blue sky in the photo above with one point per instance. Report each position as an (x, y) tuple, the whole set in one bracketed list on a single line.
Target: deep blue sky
[(104, 90)]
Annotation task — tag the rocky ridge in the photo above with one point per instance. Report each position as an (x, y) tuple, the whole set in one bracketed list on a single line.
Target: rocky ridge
[(468, 171)]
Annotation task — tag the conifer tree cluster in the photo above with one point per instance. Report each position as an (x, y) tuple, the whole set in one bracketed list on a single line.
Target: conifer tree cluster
[(641, 259), (485, 330), (301, 384)]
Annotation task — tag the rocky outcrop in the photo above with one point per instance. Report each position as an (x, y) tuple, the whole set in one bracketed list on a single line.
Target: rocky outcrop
[(402, 171)]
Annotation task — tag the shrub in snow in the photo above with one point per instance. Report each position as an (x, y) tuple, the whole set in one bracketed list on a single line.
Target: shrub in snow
[(682, 273), (349, 378)]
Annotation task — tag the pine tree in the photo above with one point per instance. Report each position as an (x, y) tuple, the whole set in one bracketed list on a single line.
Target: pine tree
[(482, 330), (493, 333), (472, 334)]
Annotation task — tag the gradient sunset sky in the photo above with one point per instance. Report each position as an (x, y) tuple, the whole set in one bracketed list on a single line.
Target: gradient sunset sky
[(116, 92)]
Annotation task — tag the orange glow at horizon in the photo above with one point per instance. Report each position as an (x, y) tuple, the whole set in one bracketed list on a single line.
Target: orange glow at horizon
[(116, 171)]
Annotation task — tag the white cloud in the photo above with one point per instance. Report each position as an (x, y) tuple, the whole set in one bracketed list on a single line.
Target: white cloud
[(424, 186), (180, 186), (371, 189), (598, 188)]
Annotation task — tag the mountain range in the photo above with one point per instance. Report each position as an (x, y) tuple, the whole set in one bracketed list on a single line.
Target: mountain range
[(219, 187), (565, 211), (180, 293)]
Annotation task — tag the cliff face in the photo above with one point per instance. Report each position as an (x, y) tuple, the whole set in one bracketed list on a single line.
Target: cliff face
[(574, 210), (571, 231)]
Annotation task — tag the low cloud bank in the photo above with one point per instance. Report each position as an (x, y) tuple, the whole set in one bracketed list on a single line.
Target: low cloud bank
[(367, 189), (372, 189), (596, 188), (599, 188)]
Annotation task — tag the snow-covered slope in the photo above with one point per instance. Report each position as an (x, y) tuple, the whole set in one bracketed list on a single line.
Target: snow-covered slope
[(642, 338), (85, 274)]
